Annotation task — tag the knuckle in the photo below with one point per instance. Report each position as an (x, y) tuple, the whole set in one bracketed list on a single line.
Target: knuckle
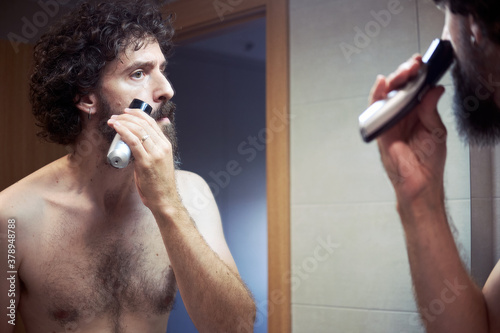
[(134, 141), (143, 123), (164, 152)]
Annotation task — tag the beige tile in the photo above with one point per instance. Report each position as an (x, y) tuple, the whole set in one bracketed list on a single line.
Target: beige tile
[(300, 4), (329, 160), (330, 163), (431, 22), (496, 171), (482, 235), (481, 172), (309, 319), (367, 266), (496, 230), (322, 69)]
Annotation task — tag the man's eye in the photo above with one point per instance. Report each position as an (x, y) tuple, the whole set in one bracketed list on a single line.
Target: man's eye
[(138, 74)]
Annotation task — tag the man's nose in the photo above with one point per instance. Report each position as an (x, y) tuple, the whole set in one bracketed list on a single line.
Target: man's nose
[(445, 35), (163, 89)]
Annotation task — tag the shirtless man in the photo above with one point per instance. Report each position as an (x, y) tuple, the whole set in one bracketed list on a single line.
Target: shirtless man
[(417, 177), (100, 249)]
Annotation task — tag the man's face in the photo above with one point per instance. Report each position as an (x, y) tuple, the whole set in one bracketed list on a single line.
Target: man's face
[(137, 74), (165, 110), (477, 114)]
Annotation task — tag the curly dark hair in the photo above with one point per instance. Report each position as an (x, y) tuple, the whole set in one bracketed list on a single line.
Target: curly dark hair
[(69, 58), (486, 12)]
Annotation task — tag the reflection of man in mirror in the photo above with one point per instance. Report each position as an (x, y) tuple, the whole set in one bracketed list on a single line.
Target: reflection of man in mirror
[(439, 277), (100, 249)]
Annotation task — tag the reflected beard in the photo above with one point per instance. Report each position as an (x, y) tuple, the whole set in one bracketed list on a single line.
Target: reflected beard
[(167, 109), (477, 114)]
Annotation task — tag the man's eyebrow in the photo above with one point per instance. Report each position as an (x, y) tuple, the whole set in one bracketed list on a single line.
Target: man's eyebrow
[(139, 64), (144, 64)]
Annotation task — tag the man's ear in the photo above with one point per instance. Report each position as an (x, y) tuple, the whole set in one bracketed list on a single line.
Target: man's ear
[(475, 29), (86, 104)]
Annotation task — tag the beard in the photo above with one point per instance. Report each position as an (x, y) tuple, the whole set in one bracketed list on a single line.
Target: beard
[(165, 110), (477, 114)]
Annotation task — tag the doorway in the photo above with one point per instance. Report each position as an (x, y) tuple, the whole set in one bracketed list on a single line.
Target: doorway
[(196, 18), (220, 93)]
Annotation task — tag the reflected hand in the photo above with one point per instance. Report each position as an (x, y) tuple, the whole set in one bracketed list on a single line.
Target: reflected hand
[(413, 152)]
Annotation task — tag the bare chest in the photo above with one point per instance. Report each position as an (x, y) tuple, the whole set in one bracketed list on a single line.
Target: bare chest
[(106, 269)]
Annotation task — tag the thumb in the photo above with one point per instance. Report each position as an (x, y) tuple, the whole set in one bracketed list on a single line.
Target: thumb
[(428, 113)]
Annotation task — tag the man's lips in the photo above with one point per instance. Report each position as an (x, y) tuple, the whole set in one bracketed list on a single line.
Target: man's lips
[(164, 120)]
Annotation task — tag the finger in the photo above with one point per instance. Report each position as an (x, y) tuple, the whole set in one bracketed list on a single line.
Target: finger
[(404, 73), (428, 114), (139, 126), (144, 116), (157, 144), (378, 90), (130, 138)]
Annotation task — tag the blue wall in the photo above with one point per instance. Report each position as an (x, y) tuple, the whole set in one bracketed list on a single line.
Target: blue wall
[(220, 118)]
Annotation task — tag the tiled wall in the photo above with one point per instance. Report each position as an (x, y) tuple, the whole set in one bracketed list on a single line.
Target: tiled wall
[(350, 269), (485, 211)]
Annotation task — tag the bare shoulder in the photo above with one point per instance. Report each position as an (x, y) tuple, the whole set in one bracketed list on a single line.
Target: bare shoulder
[(196, 195), (491, 293), (188, 181), (19, 206), (19, 200), (200, 203), (23, 200)]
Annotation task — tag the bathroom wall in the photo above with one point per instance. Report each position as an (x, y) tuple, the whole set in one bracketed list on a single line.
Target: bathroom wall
[(350, 270)]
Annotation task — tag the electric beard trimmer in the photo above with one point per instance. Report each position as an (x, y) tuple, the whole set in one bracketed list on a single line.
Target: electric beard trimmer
[(384, 114), (119, 153)]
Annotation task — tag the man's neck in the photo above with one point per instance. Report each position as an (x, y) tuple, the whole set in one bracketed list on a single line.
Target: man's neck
[(94, 177)]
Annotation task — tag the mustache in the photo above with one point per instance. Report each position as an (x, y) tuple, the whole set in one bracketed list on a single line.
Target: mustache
[(166, 110)]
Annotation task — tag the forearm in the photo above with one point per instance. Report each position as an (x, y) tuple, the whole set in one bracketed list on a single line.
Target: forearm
[(447, 298), (215, 297)]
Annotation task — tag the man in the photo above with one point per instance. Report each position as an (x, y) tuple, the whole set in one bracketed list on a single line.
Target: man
[(413, 154), (99, 249)]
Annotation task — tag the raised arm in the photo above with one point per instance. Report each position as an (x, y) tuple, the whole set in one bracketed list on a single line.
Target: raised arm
[(215, 297), (413, 154)]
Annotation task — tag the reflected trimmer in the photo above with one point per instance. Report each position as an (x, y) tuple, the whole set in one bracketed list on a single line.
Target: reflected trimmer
[(384, 114)]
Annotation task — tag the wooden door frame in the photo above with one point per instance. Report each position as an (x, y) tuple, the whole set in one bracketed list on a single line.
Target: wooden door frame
[(196, 18)]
